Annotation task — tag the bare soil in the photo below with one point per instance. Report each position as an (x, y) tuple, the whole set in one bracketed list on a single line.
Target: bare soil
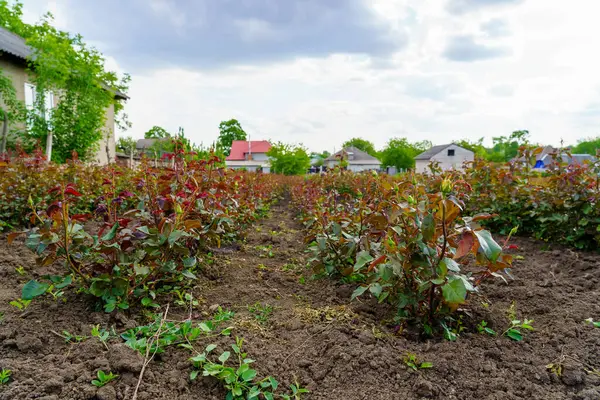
[(336, 348)]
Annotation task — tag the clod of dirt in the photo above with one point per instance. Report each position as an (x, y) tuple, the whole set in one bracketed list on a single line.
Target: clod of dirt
[(106, 393), (29, 343), (424, 388), (124, 359), (588, 394), (53, 386), (573, 377)]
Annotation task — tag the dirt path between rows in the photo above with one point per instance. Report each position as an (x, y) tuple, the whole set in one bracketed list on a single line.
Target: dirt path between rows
[(305, 330)]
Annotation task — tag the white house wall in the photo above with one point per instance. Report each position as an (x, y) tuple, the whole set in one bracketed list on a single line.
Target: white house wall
[(259, 156), (447, 162), (363, 167)]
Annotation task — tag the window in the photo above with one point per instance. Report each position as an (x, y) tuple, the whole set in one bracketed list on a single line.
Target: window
[(451, 153), (31, 96)]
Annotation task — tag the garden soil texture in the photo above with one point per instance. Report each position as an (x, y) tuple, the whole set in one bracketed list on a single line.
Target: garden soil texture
[(337, 348)]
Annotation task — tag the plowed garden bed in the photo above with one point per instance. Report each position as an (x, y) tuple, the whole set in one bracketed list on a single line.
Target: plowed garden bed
[(336, 348)]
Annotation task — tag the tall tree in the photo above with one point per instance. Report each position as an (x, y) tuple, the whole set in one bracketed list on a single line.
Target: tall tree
[(587, 146), (361, 144), (228, 132), (64, 63), (157, 132), (476, 147), (507, 148), (126, 145), (400, 153), (288, 159)]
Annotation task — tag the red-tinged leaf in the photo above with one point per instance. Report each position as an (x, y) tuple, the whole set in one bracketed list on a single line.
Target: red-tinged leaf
[(513, 247), (54, 189), (12, 236), (465, 245), (481, 217), (347, 271), (192, 224), (80, 217), (71, 190), (376, 262), (123, 222), (52, 209)]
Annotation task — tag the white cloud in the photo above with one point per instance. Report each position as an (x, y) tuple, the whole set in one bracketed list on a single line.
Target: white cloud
[(548, 82)]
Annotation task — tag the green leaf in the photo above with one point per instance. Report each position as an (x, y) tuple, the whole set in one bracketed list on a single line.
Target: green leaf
[(141, 270), (361, 259), (64, 283), (450, 264), (428, 228), (189, 275), (210, 348), (273, 382), (488, 245), (426, 365), (33, 289), (112, 233), (454, 291), (144, 229), (175, 236), (359, 291), (376, 289), (514, 334), (189, 262), (194, 374), (224, 357), (249, 375)]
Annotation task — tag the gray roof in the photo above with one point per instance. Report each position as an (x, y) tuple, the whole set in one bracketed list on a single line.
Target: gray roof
[(573, 159), (144, 143), (15, 45), (426, 155), (359, 156)]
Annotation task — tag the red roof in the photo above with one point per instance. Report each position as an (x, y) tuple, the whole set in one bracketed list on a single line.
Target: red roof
[(239, 148)]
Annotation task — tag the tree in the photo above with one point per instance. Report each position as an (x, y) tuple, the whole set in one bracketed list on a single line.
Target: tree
[(401, 154), (361, 144), (126, 145), (11, 109), (63, 64), (507, 148), (288, 159), (587, 146), (476, 147), (157, 132), (228, 132)]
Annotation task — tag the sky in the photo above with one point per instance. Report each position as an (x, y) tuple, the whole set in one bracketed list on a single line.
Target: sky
[(319, 72)]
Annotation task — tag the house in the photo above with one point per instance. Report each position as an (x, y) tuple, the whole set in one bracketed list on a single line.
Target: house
[(569, 159), (449, 156), (546, 151), (356, 160), (249, 155), (13, 63)]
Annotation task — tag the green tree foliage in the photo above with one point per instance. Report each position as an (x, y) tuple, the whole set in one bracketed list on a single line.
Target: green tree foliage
[(228, 132), (11, 109), (65, 65), (288, 159), (361, 144), (507, 148), (126, 145), (400, 153), (587, 146), (157, 132), (476, 147)]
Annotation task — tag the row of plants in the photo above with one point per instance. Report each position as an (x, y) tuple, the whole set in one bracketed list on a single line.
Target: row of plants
[(127, 236), (401, 241), (559, 205)]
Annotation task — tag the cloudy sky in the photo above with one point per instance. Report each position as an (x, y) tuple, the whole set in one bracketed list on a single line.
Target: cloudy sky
[(319, 72)]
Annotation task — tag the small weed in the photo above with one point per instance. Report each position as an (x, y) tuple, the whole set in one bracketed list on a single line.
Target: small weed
[(20, 270), (266, 251), (20, 304), (240, 380), (172, 333), (410, 359), (103, 378), (185, 299), (5, 376), (261, 313), (485, 305), (302, 280), (102, 334), (483, 328), (70, 338), (262, 267), (590, 321), (514, 330)]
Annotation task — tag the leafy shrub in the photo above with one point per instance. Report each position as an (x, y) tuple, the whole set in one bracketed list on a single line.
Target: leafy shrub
[(145, 230), (406, 244)]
